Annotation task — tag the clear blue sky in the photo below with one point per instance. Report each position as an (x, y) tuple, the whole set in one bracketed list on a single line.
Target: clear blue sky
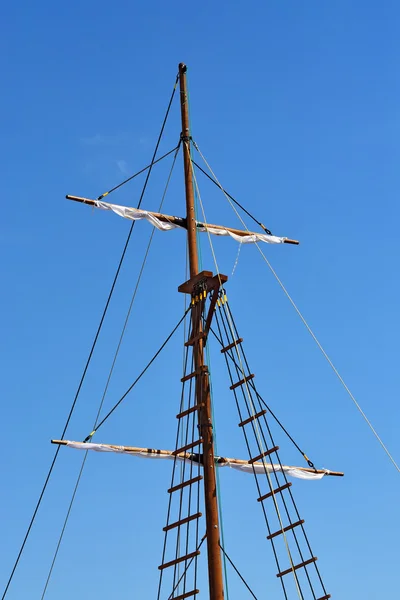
[(296, 106)]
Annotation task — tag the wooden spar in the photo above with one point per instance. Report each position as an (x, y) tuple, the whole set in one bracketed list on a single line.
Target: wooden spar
[(180, 221), (218, 459), (202, 386)]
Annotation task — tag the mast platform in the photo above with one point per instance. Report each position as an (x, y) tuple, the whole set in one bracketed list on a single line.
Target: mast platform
[(206, 278)]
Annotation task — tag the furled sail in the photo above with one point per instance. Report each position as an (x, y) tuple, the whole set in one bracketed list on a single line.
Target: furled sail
[(166, 222), (135, 214), (233, 463)]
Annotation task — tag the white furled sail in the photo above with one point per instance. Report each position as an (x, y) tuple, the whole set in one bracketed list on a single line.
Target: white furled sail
[(233, 463), (135, 214)]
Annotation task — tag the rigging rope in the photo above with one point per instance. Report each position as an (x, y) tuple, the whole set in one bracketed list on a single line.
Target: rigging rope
[(227, 194), (136, 288), (249, 451), (253, 411), (241, 577), (324, 353), (261, 399), (225, 307), (138, 173), (178, 433), (137, 378), (231, 327), (170, 597), (64, 525), (180, 540), (260, 438), (256, 429), (91, 350), (237, 258), (108, 379), (204, 215)]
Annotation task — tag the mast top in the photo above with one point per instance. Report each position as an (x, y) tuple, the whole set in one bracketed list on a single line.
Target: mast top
[(187, 165)]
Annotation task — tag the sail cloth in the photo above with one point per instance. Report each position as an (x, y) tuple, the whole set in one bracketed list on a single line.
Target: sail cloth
[(135, 214), (240, 465)]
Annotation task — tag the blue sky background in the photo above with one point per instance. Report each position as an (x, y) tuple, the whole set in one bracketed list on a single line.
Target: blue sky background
[(296, 106)]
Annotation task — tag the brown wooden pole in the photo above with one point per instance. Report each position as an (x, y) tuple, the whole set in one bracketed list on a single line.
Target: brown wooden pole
[(190, 211), (215, 577)]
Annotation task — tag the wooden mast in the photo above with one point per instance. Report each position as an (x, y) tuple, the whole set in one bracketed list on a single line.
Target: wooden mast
[(202, 380)]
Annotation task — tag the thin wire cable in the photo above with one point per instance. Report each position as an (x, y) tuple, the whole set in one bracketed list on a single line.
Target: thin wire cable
[(334, 369), (91, 351), (255, 426), (253, 411), (64, 525), (69, 416), (204, 216), (170, 597), (136, 174), (229, 195), (324, 353), (153, 160), (241, 577), (108, 381), (137, 378), (260, 398), (136, 286), (257, 432)]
